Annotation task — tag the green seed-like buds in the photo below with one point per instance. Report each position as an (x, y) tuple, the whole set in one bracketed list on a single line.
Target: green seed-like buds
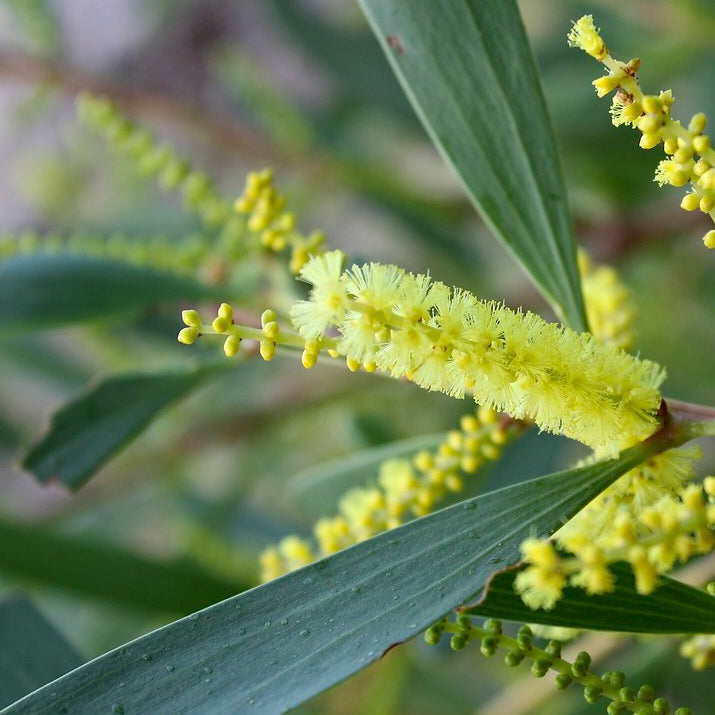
[(540, 667), (513, 658), (563, 681), (646, 692), (489, 645), (554, 649), (661, 707), (493, 626), (617, 679), (626, 695), (458, 641), (592, 693)]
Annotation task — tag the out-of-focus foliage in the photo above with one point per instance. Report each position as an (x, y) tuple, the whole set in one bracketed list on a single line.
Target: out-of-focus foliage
[(303, 86)]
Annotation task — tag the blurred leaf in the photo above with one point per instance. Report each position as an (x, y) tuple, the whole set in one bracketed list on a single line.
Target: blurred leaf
[(86, 432), (45, 290), (280, 644), (32, 652), (318, 489), (108, 572), (468, 70), (623, 610)]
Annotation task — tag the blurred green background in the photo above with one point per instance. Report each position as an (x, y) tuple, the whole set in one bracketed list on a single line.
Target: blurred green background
[(303, 87)]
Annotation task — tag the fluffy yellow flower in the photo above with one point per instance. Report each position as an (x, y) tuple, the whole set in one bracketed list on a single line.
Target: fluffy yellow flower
[(445, 339)]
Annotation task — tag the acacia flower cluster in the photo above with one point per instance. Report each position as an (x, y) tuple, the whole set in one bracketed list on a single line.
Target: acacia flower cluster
[(692, 158), (404, 489), (445, 339), (611, 685), (276, 227), (651, 539)]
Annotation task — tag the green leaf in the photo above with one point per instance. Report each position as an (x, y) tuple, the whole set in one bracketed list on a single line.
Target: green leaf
[(673, 607), (277, 645), (467, 68), (32, 652), (86, 432), (45, 290), (108, 572), (318, 489)]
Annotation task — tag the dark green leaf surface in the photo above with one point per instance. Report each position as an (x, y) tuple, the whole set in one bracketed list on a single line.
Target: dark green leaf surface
[(45, 290), (32, 652), (672, 608), (107, 572), (318, 489), (280, 644), (86, 432), (467, 68)]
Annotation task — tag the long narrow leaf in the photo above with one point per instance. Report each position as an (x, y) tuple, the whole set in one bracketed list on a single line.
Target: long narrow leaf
[(86, 432), (276, 646), (467, 68)]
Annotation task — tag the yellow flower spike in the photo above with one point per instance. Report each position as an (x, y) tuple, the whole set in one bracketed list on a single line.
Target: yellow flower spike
[(353, 365), (188, 336), (709, 239), (691, 149), (191, 318), (405, 488), (231, 345)]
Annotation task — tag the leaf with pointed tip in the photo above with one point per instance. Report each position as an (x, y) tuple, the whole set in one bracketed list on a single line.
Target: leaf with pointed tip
[(279, 644), (673, 607), (467, 68), (84, 433), (32, 652)]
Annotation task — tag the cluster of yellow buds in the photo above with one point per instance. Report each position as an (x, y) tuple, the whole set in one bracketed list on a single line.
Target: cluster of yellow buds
[(692, 156), (609, 309), (611, 685), (268, 336), (267, 218), (674, 528), (404, 489)]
